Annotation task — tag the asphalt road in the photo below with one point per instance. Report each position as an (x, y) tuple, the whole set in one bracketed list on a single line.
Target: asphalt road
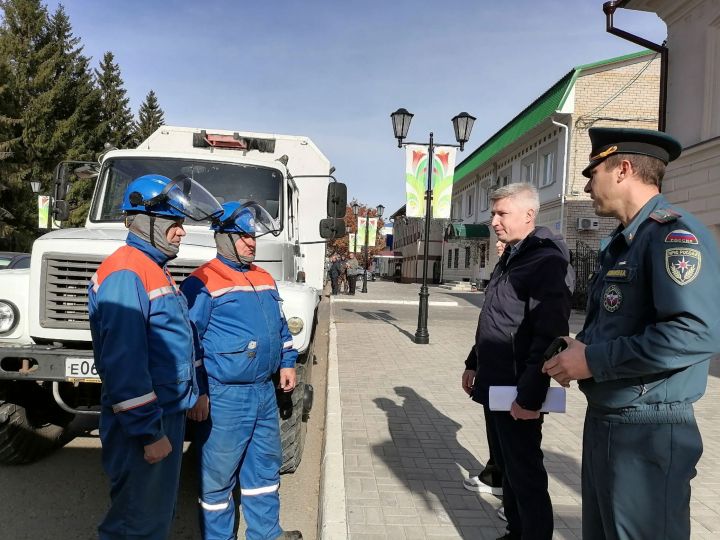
[(64, 496)]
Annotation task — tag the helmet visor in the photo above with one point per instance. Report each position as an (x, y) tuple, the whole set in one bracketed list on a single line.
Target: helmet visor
[(191, 199), (262, 222)]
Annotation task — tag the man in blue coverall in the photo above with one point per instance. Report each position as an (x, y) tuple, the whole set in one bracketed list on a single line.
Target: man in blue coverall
[(142, 340), (241, 340), (642, 358)]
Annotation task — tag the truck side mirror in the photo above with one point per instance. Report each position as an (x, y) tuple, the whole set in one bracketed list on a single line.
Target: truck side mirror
[(336, 200), (65, 173), (332, 228), (61, 212)]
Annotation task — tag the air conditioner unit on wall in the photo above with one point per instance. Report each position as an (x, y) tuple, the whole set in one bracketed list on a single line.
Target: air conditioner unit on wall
[(588, 224)]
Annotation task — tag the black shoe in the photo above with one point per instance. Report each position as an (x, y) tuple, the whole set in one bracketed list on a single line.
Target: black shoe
[(290, 535)]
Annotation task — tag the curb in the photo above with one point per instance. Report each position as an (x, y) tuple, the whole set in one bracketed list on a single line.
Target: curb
[(333, 516), (396, 302)]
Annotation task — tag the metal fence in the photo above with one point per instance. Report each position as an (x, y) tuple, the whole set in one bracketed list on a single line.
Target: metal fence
[(584, 259)]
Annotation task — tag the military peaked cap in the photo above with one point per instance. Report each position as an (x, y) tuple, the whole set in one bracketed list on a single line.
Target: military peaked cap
[(645, 142)]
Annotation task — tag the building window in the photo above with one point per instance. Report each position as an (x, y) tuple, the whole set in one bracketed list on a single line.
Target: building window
[(483, 254), (529, 173), (504, 177), (528, 168), (484, 198), (548, 169), (467, 257), (469, 204), (457, 255), (449, 258)]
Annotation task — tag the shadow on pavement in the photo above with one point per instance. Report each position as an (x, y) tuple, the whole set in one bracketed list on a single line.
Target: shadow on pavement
[(382, 315), (426, 456)]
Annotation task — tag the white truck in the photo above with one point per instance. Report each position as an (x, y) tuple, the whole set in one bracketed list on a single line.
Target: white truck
[(47, 373)]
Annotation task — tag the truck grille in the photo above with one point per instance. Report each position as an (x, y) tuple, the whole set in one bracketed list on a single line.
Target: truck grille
[(64, 291)]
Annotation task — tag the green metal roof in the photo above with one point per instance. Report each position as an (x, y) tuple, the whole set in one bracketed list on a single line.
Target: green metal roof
[(476, 230), (533, 115)]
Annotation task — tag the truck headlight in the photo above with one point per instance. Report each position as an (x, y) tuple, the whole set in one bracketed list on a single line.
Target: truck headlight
[(9, 316), (295, 325)]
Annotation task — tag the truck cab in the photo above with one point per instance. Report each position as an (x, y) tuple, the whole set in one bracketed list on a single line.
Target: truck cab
[(46, 351)]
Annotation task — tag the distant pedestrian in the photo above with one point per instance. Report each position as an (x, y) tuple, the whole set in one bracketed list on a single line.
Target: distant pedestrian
[(642, 357), (352, 272), (527, 304), (335, 271)]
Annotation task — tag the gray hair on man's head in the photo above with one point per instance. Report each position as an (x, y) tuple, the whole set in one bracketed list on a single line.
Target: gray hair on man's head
[(519, 191)]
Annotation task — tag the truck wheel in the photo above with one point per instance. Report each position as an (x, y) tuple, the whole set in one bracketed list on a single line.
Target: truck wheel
[(31, 424), (292, 421)]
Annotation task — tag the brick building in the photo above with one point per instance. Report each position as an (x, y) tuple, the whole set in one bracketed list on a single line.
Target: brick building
[(693, 103), (547, 144)]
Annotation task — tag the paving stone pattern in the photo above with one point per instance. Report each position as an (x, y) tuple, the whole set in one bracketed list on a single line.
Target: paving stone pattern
[(410, 436)]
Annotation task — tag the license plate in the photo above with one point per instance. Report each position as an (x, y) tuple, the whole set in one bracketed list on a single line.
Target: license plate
[(81, 370)]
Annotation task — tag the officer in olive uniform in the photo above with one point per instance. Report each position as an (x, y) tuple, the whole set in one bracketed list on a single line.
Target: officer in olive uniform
[(642, 358)]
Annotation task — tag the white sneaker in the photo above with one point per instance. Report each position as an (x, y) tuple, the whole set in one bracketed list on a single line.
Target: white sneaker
[(501, 513), (478, 486)]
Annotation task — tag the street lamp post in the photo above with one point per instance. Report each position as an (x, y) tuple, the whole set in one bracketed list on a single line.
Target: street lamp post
[(355, 207), (462, 125)]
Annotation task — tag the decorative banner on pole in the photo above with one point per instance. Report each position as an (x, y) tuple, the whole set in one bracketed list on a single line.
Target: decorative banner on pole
[(416, 162), (352, 246), (371, 234), (373, 231), (43, 211), (360, 234)]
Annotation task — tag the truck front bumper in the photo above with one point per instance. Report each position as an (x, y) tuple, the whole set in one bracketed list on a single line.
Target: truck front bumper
[(46, 363)]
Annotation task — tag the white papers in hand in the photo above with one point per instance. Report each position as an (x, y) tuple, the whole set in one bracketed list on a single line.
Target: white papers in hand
[(502, 397)]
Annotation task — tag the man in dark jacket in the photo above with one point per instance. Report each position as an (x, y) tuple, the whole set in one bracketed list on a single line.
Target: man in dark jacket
[(335, 271), (527, 305)]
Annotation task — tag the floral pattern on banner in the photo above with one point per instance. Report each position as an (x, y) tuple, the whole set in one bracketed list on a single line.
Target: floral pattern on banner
[(416, 160)]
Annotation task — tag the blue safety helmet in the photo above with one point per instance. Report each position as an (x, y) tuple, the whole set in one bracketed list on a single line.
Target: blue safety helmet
[(245, 218), (180, 198)]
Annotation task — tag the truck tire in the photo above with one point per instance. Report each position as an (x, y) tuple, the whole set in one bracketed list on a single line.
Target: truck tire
[(293, 421), (31, 424)]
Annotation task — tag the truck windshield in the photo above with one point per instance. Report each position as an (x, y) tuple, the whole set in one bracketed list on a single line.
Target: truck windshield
[(226, 181)]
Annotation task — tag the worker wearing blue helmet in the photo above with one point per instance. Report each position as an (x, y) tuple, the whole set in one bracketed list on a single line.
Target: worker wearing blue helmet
[(143, 347), (241, 340)]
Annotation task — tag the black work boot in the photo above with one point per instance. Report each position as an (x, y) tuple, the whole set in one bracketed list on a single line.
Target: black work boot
[(290, 535)]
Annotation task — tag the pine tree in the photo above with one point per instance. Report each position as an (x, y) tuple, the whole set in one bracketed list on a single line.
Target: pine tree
[(150, 117), (56, 109), (114, 111), (75, 108), (23, 46)]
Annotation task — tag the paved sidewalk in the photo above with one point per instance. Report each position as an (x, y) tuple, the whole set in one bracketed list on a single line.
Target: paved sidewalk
[(409, 434)]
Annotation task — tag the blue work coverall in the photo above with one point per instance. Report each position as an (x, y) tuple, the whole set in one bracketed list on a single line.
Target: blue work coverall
[(242, 339), (142, 340)]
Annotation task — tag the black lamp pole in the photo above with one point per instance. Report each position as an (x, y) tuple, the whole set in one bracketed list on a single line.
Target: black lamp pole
[(462, 125), (367, 241), (355, 207)]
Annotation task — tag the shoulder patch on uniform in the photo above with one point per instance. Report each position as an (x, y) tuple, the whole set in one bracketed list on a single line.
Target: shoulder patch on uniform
[(681, 236), (683, 264), (665, 215)]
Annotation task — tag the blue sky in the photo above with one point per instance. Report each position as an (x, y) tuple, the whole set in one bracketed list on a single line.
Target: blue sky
[(334, 70)]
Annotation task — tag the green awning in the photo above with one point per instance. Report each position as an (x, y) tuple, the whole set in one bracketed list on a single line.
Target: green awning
[(533, 115), (476, 231)]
